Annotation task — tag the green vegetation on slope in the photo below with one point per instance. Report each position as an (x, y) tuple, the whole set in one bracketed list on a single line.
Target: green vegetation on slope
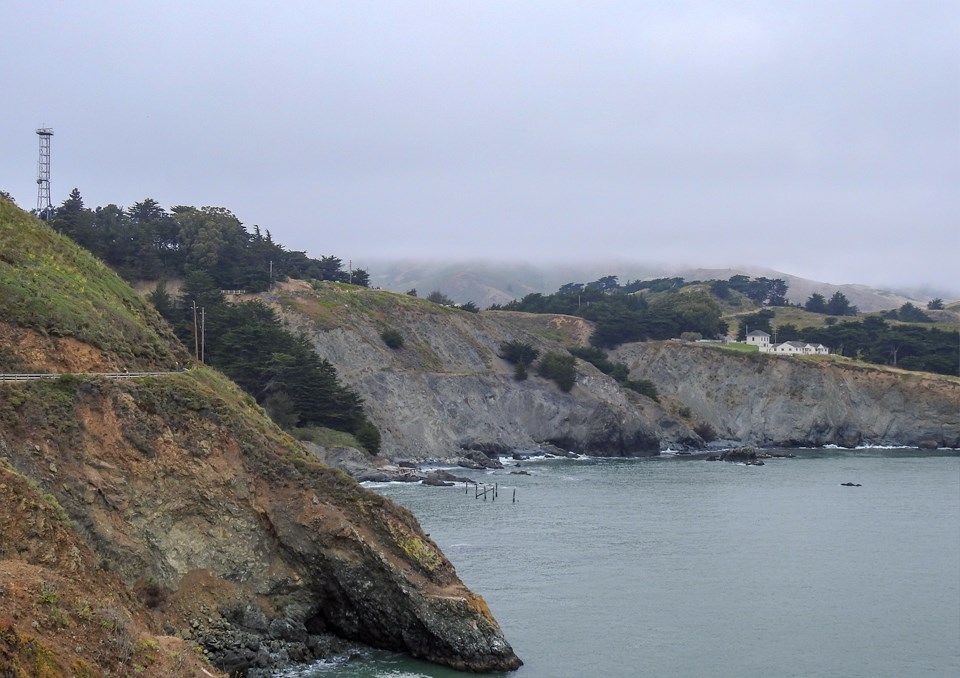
[(330, 304), (910, 347), (146, 242), (621, 316), (277, 367), (50, 285), (672, 308), (619, 371), (874, 340)]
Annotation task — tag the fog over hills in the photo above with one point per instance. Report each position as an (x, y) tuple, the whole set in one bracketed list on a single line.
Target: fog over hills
[(488, 282)]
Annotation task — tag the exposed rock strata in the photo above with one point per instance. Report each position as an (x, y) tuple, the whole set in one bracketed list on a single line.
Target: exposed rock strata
[(447, 390), (769, 401), (62, 613), (181, 482)]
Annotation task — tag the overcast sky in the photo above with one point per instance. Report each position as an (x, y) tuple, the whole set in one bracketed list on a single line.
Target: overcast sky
[(821, 139)]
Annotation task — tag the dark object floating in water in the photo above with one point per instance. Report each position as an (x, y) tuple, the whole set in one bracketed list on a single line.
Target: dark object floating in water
[(850, 485)]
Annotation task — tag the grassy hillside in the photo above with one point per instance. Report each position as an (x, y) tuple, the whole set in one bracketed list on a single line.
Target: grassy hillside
[(331, 304), (53, 287), (563, 329), (782, 315)]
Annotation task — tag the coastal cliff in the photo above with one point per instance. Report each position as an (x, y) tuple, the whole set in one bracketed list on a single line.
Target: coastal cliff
[(446, 390), (768, 400), (159, 514)]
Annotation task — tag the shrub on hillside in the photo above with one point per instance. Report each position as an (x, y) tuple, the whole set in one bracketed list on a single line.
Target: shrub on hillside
[(598, 358), (595, 356), (644, 387), (439, 297), (705, 431), (368, 435), (392, 338), (560, 368), (518, 352)]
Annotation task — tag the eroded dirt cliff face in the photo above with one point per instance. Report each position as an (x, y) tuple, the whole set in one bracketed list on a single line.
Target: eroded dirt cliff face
[(24, 350), (62, 613), (446, 389), (769, 400), (190, 498)]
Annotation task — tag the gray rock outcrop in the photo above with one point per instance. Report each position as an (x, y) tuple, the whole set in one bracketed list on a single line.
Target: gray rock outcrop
[(447, 390), (771, 401)]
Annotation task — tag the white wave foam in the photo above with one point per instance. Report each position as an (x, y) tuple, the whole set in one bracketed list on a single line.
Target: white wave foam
[(861, 447)]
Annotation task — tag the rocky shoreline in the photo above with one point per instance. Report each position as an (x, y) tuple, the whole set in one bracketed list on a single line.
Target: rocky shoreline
[(365, 468), (748, 456), (438, 472), (241, 641)]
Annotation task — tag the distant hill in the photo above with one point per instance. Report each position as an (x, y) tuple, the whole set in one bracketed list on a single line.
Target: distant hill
[(864, 297), (487, 283)]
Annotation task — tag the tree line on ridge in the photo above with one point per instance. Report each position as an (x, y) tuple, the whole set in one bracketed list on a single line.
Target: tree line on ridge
[(211, 250)]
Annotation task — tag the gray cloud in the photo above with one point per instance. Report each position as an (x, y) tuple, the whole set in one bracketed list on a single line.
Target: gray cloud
[(820, 138)]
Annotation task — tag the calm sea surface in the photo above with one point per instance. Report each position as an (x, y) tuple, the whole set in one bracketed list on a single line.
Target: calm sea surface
[(676, 567)]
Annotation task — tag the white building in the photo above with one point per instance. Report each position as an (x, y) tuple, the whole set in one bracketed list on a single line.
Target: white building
[(759, 338), (798, 348), (789, 347)]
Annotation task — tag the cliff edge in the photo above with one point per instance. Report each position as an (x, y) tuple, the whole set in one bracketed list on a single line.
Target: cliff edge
[(796, 401), (190, 511), (446, 389)]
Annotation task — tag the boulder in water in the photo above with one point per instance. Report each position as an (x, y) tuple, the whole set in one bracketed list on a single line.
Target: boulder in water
[(740, 454)]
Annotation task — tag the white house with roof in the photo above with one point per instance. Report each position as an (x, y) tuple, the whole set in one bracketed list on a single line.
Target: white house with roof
[(798, 348), (789, 347), (759, 338)]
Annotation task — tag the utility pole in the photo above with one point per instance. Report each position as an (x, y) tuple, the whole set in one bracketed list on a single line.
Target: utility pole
[(196, 333), (203, 335), (271, 275)]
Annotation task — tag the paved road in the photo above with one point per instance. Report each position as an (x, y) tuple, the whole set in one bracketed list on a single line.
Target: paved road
[(106, 375)]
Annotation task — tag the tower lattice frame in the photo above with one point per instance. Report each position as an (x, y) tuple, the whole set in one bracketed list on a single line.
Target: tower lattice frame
[(44, 206)]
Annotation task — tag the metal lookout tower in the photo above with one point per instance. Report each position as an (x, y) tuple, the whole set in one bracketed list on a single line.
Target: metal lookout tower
[(44, 206)]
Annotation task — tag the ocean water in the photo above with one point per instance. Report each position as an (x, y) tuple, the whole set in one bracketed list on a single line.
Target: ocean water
[(675, 567)]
